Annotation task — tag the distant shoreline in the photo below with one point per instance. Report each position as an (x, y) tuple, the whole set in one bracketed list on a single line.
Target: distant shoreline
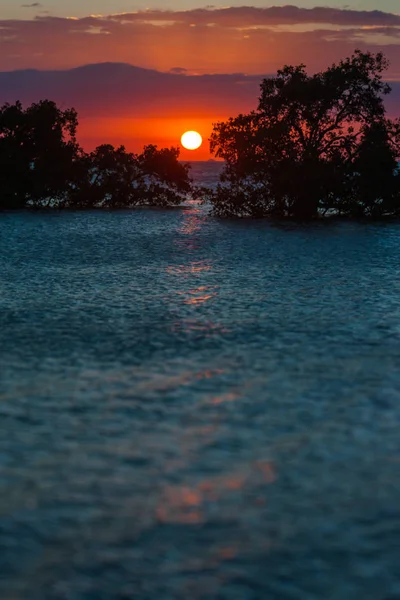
[(326, 219)]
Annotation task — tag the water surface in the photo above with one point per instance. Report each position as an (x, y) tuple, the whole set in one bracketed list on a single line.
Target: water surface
[(193, 408)]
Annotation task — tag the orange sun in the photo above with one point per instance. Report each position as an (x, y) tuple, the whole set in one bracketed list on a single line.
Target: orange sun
[(191, 140)]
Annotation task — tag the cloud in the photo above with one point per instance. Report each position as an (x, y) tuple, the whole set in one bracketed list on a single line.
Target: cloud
[(243, 39), (34, 5), (132, 91), (178, 70), (129, 90), (249, 16)]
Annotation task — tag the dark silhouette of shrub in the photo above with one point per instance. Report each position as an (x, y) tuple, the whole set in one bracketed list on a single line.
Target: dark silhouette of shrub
[(318, 144), (165, 177), (108, 178), (38, 150), (44, 166)]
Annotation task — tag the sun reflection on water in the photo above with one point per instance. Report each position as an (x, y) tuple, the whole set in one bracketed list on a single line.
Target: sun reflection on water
[(192, 268), (199, 295), (194, 283), (189, 504)]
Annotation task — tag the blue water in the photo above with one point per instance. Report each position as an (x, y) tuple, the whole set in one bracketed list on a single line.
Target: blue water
[(196, 409)]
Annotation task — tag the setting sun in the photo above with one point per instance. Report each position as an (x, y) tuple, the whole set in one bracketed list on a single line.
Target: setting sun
[(191, 140)]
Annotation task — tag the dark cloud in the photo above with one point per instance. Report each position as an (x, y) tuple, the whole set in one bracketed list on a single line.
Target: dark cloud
[(128, 89), (178, 70), (34, 5), (248, 16), (95, 88)]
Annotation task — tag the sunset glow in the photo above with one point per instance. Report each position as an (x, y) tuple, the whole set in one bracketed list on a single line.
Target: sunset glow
[(178, 68)]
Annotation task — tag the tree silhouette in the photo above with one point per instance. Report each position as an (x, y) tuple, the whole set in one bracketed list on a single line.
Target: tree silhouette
[(44, 166), (106, 179), (306, 149), (166, 178), (376, 171), (38, 149)]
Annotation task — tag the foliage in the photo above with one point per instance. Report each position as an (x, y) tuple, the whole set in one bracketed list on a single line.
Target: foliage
[(316, 144), (166, 178), (44, 166), (37, 153), (107, 178)]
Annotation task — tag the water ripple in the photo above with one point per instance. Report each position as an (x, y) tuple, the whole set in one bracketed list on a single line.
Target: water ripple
[(192, 408)]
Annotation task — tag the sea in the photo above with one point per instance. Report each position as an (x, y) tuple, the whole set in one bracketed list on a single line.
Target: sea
[(194, 408)]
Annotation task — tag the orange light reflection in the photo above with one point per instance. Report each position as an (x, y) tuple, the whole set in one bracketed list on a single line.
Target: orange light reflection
[(184, 504)]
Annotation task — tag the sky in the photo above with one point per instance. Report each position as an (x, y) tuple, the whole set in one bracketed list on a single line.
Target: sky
[(12, 9), (188, 39)]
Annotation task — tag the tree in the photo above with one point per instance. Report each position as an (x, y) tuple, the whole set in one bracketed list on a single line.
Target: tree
[(114, 178), (376, 171), (38, 150), (108, 177), (295, 155), (167, 180), (44, 166)]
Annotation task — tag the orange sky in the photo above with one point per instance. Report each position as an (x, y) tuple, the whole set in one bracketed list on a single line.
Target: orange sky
[(136, 132), (117, 105)]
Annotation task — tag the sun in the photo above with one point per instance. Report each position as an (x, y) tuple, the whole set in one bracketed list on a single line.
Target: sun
[(191, 140)]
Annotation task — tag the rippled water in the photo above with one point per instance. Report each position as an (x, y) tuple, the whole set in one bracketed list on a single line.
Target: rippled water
[(195, 409)]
